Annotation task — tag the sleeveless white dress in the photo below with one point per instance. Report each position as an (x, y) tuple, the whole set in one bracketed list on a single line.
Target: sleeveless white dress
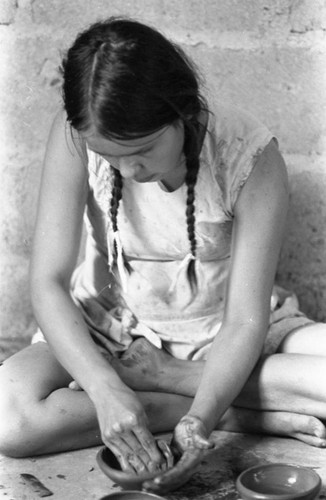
[(154, 300)]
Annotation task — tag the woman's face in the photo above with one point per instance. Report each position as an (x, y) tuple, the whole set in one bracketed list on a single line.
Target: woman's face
[(153, 158)]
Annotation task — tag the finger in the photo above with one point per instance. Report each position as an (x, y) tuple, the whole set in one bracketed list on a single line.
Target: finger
[(187, 462), (167, 481), (176, 450), (202, 442), (191, 431), (149, 444), (121, 457), (178, 475), (128, 459), (138, 457), (167, 452), (163, 487)]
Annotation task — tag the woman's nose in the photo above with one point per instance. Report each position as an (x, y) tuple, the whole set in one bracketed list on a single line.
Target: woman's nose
[(128, 167)]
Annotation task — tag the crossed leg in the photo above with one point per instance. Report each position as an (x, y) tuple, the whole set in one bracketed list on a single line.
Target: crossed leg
[(39, 414), (285, 395)]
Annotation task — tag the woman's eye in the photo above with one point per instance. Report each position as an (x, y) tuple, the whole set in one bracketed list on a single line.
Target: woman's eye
[(146, 152), (115, 159)]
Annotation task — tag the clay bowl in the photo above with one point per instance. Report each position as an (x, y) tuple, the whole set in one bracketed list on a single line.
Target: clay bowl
[(127, 480), (278, 482), (132, 495)]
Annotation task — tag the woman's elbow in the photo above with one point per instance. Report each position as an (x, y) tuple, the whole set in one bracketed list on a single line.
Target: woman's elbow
[(43, 285)]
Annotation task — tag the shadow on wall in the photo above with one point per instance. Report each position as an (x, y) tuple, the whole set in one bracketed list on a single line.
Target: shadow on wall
[(303, 255)]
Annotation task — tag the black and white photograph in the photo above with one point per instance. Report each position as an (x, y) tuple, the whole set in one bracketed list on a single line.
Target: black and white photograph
[(163, 249)]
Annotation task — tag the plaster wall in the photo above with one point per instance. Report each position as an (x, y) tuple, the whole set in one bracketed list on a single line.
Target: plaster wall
[(267, 56)]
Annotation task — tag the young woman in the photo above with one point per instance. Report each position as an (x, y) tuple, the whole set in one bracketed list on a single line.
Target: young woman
[(172, 322)]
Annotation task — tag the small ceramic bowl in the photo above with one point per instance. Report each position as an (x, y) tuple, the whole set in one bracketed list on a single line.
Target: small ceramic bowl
[(132, 495), (278, 482), (111, 468)]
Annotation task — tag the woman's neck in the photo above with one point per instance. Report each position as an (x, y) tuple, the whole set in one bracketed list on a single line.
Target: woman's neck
[(175, 179)]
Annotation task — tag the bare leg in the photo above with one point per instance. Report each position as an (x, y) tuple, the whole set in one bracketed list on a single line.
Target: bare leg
[(289, 386), (39, 414), (310, 339), (292, 379), (284, 381), (305, 428)]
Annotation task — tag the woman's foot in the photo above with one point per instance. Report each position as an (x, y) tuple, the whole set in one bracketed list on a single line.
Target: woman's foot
[(305, 428), (144, 367), (141, 367)]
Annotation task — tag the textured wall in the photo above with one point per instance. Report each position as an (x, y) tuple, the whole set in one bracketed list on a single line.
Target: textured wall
[(268, 56)]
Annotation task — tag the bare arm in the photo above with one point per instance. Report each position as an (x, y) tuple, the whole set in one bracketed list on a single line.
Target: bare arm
[(56, 244), (259, 222), (63, 195)]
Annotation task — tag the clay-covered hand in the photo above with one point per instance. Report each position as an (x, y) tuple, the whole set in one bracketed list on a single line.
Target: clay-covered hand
[(189, 443), (124, 429)]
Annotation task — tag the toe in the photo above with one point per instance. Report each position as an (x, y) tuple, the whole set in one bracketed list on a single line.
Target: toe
[(310, 439)]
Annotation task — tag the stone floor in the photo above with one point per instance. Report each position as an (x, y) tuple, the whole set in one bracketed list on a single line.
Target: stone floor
[(75, 475)]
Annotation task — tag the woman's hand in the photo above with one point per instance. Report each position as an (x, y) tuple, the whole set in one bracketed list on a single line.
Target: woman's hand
[(189, 443), (124, 429), (190, 433)]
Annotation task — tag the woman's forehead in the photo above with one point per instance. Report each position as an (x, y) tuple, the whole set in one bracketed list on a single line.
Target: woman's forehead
[(118, 146)]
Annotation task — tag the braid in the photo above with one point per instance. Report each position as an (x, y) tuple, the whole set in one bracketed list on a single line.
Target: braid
[(191, 178), (191, 149), (115, 198), (114, 206)]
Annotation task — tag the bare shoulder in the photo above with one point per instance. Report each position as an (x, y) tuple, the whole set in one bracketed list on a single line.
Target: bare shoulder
[(267, 188), (271, 162), (65, 171), (269, 178), (64, 140)]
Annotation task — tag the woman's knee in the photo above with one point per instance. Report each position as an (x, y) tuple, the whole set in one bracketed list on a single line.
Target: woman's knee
[(307, 339), (13, 422), (26, 379)]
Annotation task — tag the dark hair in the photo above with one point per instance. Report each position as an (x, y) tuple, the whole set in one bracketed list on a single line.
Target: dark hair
[(127, 80)]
